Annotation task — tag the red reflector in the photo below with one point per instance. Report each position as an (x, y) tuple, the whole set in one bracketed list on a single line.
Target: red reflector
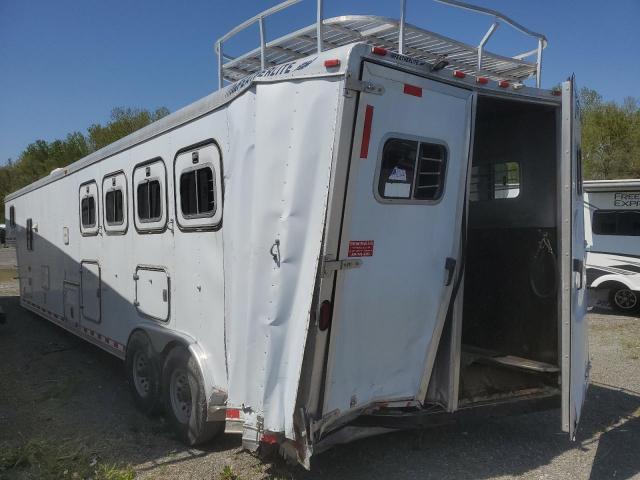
[(412, 90), (366, 132), (459, 74), (379, 51), (233, 413), (503, 84), (482, 80), (270, 438), (332, 63), (325, 316), (557, 92)]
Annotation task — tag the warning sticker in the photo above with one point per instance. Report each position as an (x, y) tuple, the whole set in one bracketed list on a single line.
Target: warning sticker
[(361, 248)]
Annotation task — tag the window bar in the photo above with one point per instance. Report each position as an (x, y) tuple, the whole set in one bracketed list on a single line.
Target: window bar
[(319, 25), (403, 6), (262, 43)]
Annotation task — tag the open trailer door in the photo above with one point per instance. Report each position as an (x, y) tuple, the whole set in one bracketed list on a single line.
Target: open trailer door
[(575, 351), (402, 221)]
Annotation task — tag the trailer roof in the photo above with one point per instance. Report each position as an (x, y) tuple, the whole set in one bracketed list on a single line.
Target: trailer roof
[(611, 185), (383, 32)]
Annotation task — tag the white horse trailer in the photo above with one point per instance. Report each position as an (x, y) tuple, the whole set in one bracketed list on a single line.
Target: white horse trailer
[(356, 234), (612, 228)]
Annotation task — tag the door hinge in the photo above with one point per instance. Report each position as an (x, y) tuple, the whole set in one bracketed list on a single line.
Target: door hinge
[(353, 84), (329, 266)]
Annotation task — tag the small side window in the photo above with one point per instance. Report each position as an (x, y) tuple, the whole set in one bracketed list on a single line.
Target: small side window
[(149, 201), (29, 234), (12, 216), (88, 198), (197, 193), (114, 201), (88, 212), (412, 170), (149, 194), (113, 210), (494, 181)]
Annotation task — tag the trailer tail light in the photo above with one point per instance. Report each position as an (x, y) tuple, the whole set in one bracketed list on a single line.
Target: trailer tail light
[(482, 80), (324, 322), (269, 438), (412, 90), (233, 413), (333, 63), (379, 51), (503, 84), (459, 74), (556, 92)]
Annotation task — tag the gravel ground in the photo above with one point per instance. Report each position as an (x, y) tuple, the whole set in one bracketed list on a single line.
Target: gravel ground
[(65, 412)]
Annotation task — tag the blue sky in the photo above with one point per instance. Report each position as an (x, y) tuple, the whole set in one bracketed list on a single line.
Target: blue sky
[(65, 64)]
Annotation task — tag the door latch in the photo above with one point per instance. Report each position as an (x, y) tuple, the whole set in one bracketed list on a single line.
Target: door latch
[(450, 266), (329, 266)]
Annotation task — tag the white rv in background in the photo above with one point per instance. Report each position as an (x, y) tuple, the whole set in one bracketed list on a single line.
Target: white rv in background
[(612, 233), (370, 225)]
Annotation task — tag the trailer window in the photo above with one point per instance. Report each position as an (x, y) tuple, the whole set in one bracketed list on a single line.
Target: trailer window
[(29, 234), (88, 212), (12, 216), (113, 207), (494, 181), (412, 170), (197, 193), (149, 199), (616, 222)]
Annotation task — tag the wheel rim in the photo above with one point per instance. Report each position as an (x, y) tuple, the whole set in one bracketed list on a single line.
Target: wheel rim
[(141, 377), (180, 392), (625, 299)]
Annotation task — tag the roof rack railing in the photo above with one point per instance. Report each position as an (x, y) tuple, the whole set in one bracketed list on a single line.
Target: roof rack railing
[(343, 30)]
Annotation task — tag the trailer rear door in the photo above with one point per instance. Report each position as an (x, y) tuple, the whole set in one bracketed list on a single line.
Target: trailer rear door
[(575, 351), (402, 219)]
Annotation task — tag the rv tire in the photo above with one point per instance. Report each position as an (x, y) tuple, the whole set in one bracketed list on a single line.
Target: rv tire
[(185, 399), (623, 299), (143, 373)]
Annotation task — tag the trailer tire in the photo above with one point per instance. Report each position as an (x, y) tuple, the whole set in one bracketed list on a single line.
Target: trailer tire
[(143, 373), (185, 399), (623, 299)]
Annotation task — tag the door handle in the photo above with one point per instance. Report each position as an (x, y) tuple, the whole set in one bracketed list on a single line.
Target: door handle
[(578, 266), (450, 266)]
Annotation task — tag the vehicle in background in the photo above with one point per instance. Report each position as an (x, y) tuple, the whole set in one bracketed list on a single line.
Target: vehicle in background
[(370, 226), (612, 234)]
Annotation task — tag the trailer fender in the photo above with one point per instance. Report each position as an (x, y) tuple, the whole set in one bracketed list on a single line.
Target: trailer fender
[(163, 340), (611, 279)]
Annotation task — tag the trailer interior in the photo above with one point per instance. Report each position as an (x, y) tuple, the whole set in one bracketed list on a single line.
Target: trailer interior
[(510, 332)]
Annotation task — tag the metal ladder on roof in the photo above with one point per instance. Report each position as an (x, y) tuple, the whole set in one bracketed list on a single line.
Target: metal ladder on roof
[(396, 35)]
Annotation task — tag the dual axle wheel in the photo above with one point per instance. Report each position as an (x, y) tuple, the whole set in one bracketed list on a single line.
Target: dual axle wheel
[(176, 385)]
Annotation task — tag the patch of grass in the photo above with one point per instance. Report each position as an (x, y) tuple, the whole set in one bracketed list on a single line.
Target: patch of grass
[(37, 458), (228, 474), (111, 472)]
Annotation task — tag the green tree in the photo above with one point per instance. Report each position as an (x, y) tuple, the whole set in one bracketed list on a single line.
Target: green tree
[(41, 157)]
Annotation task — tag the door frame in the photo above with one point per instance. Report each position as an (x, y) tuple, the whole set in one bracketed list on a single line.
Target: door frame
[(99, 291)]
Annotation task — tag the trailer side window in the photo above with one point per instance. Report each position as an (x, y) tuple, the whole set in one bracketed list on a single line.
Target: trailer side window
[(150, 196), (197, 193), (149, 201), (113, 207), (88, 212), (12, 216), (89, 208), (412, 170), (29, 234), (616, 222), (494, 181)]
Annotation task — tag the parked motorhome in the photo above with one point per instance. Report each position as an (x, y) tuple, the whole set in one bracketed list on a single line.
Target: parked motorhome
[(612, 231), (369, 225)]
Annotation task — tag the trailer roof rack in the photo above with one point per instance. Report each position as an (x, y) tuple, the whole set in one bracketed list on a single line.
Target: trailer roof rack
[(395, 35)]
